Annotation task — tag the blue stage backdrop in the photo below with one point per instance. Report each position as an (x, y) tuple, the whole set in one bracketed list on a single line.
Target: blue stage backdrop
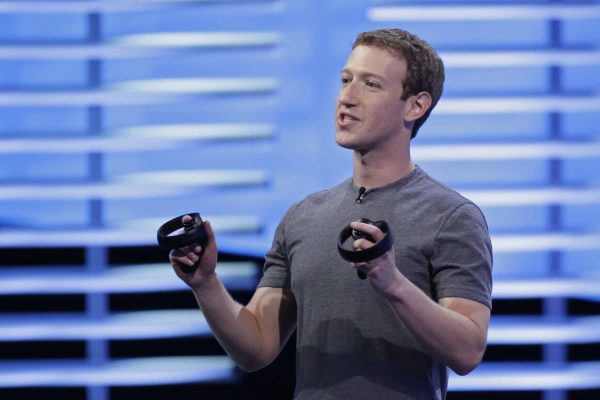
[(118, 115)]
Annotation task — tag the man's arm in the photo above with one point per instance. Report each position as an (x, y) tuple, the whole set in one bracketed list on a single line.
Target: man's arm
[(453, 331), (252, 335)]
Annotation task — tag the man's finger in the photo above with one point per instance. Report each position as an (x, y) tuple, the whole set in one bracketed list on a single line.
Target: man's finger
[(210, 235), (182, 260), (362, 244), (184, 257), (369, 229)]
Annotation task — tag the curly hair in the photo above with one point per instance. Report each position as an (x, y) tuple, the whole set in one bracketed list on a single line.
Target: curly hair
[(425, 69)]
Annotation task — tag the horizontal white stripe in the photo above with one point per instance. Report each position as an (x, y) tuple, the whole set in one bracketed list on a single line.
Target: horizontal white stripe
[(528, 376), (545, 242), (511, 105), (542, 330), (198, 39), (505, 151), (140, 138), (103, 191), (132, 233), (195, 177), (196, 85), (142, 45), (220, 223), (483, 13), (79, 7), (79, 52), (195, 131), (138, 185), (525, 197), (141, 92), (519, 58), (129, 372), (128, 279), (130, 325), (584, 287)]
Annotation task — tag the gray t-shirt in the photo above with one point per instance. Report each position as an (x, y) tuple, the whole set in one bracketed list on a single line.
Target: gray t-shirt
[(350, 343)]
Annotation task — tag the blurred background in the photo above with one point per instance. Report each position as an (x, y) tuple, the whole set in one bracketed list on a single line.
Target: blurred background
[(116, 116)]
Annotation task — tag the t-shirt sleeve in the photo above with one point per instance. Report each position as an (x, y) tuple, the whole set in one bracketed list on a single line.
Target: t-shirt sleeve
[(462, 259), (276, 272)]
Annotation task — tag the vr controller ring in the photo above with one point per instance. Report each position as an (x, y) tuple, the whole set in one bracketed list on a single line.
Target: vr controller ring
[(373, 252), (194, 233)]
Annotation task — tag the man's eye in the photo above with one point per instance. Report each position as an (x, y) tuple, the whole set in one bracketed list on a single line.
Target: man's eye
[(372, 84), (345, 80)]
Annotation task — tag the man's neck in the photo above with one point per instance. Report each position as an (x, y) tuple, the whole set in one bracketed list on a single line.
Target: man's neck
[(371, 171)]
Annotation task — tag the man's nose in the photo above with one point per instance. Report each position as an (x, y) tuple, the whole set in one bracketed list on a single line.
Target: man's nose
[(348, 95)]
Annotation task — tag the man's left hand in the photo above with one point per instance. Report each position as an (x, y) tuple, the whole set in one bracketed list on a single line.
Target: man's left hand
[(381, 271)]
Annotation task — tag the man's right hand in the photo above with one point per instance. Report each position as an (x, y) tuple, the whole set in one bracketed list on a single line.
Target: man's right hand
[(252, 335), (189, 256)]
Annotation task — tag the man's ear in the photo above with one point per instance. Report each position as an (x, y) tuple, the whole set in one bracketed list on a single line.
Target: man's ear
[(419, 104)]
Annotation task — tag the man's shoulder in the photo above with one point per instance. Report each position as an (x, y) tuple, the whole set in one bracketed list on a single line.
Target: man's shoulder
[(432, 187), (325, 195), (444, 198)]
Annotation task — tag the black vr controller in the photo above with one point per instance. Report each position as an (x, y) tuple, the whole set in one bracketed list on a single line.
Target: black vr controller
[(357, 256), (194, 233)]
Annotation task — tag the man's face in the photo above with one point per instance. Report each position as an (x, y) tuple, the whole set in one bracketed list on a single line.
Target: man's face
[(369, 111)]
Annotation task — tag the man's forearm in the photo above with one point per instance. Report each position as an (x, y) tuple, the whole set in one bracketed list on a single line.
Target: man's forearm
[(453, 332), (233, 325)]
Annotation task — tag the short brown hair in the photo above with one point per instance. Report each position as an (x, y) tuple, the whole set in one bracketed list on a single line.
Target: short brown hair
[(425, 69)]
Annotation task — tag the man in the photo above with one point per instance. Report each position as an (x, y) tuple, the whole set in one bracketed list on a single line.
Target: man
[(425, 304)]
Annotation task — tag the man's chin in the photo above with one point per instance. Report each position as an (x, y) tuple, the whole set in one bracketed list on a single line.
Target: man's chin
[(343, 143), (344, 138)]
